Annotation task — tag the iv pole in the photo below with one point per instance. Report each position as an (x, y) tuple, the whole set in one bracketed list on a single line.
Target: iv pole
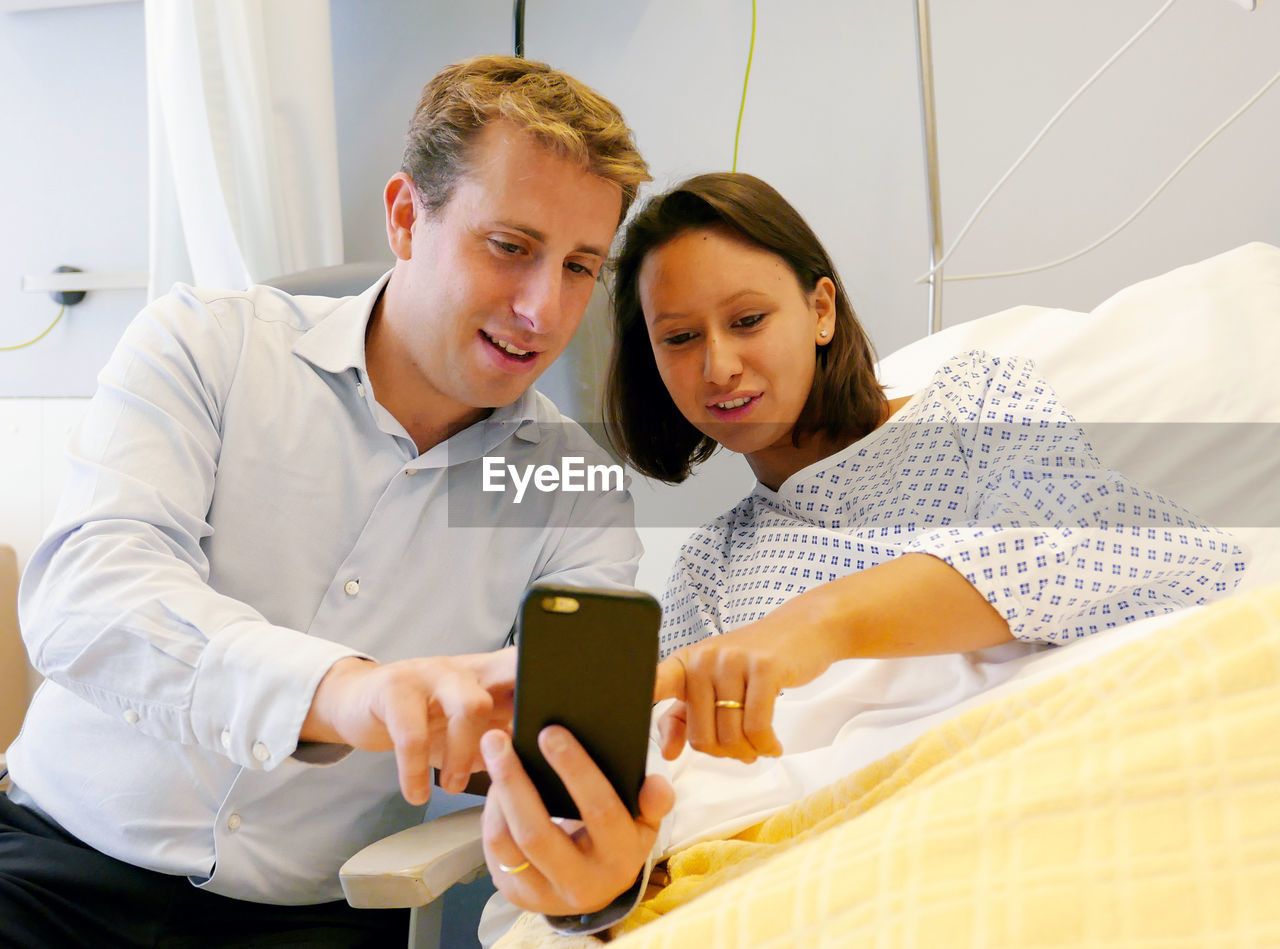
[(929, 130)]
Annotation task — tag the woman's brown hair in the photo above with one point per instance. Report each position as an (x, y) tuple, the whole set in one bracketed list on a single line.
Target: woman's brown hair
[(846, 401)]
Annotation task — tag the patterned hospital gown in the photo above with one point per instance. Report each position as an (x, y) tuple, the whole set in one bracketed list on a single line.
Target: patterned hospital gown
[(984, 469)]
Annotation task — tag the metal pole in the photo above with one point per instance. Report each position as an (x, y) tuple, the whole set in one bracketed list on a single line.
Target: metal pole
[(929, 130), (517, 15)]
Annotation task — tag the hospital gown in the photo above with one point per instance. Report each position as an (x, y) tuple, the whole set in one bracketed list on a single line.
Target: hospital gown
[(986, 470)]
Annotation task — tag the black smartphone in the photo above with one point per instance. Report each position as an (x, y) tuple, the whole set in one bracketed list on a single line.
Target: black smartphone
[(586, 659)]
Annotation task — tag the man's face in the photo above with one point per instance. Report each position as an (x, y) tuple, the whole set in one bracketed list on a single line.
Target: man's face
[(497, 280)]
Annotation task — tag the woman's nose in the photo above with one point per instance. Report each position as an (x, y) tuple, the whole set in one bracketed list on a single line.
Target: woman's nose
[(721, 364)]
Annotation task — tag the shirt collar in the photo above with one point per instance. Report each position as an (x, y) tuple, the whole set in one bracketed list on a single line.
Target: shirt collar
[(336, 343), (520, 418)]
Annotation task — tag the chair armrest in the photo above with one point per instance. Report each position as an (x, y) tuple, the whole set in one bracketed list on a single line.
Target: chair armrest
[(416, 866)]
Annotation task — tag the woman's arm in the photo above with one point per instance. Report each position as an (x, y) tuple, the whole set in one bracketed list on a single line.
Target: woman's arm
[(914, 605)]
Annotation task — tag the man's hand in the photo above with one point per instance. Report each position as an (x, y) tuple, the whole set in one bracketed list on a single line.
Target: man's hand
[(431, 711), (570, 867)]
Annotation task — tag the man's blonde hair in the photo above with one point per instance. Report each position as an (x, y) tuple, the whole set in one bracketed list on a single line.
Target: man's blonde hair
[(562, 113)]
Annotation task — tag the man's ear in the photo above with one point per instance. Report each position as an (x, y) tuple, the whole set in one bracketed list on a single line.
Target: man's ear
[(400, 199)]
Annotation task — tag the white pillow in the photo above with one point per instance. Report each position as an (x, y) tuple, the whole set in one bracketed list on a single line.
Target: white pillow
[(1176, 379)]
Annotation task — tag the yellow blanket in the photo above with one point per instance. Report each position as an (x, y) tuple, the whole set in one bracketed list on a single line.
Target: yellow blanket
[(1133, 802)]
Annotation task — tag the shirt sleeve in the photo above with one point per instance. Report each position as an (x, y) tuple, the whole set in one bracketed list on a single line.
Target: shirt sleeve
[(1062, 546), (116, 604)]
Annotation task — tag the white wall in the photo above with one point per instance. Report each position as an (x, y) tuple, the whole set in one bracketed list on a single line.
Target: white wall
[(33, 434), (73, 185), (831, 120)]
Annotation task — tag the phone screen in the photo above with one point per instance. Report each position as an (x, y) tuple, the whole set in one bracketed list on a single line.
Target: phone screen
[(586, 660)]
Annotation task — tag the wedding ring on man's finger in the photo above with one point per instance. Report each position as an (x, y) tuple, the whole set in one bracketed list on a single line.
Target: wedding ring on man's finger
[(512, 871), (727, 703)]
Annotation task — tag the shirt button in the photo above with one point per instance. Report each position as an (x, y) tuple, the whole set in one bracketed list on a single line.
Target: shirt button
[(130, 716), (411, 471), (233, 822), (225, 738), (260, 751), (352, 587), (360, 390)]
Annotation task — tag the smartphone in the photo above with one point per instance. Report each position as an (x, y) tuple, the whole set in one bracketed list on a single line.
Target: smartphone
[(586, 659)]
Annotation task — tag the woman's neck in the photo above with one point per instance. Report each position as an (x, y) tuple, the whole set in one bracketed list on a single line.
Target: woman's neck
[(774, 465)]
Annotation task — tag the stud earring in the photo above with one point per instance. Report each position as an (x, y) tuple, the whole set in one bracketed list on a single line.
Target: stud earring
[(822, 333)]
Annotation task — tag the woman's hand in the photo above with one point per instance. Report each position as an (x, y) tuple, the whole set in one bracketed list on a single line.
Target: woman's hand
[(725, 687), (568, 867)]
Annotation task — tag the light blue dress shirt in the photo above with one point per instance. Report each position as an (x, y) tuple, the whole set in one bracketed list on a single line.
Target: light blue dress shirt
[(240, 513)]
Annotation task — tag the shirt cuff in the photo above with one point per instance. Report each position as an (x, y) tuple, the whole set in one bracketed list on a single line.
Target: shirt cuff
[(588, 923), (253, 689)]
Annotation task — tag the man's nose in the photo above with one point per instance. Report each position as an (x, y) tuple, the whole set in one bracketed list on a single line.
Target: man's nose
[(538, 298)]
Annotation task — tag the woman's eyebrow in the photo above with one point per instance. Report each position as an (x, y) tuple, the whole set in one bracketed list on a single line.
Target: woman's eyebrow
[(730, 299)]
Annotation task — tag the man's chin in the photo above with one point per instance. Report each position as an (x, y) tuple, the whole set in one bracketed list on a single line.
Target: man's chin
[(499, 397)]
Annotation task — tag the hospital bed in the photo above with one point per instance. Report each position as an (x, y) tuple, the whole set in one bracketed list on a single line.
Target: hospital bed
[(1120, 791), (1124, 790)]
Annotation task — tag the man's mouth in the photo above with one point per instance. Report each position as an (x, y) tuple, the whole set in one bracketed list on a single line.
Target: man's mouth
[(510, 349)]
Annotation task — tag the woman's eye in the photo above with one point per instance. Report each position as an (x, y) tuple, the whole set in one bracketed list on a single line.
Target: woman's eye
[(749, 321), (676, 339)]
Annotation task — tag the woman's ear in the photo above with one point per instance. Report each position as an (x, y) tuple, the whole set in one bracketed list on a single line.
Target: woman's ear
[(822, 301), (399, 198)]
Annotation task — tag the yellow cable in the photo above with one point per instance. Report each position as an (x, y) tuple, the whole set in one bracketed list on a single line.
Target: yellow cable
[(32, 342), (751, 48)]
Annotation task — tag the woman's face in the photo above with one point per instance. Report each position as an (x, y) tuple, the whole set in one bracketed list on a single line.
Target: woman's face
[(733, 334)]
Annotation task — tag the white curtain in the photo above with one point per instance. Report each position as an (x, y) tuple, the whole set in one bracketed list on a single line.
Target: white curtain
[(243, 143)]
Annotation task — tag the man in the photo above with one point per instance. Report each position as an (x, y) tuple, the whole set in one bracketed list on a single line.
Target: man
[(253, 553)]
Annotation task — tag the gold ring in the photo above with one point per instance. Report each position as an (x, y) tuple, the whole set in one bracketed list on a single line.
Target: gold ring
[(512, 871), (727, 703)]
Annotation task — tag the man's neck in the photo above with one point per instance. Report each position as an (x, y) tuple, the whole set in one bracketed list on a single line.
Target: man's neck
[(401, 388)]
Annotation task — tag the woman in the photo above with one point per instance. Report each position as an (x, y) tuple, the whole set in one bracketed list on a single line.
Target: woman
[(894, 554), (970, 523)]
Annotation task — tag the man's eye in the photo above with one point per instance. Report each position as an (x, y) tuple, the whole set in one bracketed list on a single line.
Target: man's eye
[(575, 267), (507, 247)]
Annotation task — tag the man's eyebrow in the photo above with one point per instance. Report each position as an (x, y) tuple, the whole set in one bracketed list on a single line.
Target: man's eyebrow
[(540, 237), (730, 299)]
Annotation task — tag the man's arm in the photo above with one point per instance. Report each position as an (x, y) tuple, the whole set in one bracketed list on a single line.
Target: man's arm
[(117, 606)]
